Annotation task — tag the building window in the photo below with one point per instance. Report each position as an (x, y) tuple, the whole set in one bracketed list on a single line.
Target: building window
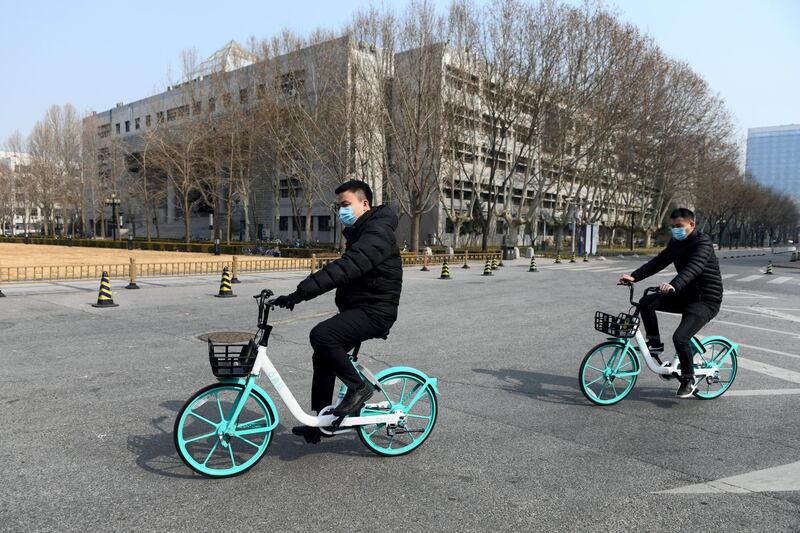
[(127, 126), (160, 117), (197, 108), (261, 91), (283, 224), (242, 96), (104, 131), (212, 104), (299, 223), (226, 99), (117, 125), (500, 227), (324, 223), (449, 227), (147, 121), (137, 123)]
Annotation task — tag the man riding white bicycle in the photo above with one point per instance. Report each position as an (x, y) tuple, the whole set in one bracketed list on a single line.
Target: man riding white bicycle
[(368, 279), (695, 292)]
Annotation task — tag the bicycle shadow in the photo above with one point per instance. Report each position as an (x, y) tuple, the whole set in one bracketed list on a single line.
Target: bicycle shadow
[(155, 453), (555, 388)]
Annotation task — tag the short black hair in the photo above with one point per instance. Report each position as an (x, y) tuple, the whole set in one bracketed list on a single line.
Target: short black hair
[(682, 212), (356, 186)]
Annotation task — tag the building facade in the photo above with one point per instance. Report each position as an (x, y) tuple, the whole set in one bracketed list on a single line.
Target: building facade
[(773, 157)]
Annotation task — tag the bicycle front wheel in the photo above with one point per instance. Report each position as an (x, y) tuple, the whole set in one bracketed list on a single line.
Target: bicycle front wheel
[(407, 392), (608, 373), (200, 437), (720, 355)]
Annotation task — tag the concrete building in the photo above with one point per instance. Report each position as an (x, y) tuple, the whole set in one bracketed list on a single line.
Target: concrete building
[(18, 213), (773, 157)]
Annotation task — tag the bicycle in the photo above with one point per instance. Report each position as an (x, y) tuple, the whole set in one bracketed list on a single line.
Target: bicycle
[(610, 369), (236, 411)]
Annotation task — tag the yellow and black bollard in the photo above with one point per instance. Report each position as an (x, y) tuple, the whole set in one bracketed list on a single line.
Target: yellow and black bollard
[(494, 263), (572, 258), (769, 268), (104, 297), (558, 258), (445, 271), (585, 257), (466, 260), (794, 257), (487, 270), (132, 273), (424, 264), (235, 270), (225, 290), (533, 268)]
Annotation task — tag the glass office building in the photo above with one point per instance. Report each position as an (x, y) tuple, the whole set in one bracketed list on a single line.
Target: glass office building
[(773, 157)]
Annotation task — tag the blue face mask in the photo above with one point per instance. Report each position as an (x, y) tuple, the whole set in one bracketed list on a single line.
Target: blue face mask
[(346, 216), (679, 233)]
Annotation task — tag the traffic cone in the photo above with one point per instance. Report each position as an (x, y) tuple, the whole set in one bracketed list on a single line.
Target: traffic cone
[(533, 268), (558, 258), (769, 268), (445, 271), (487, 270), (572, 258), (494, 263), (104, 297), (225, 290)]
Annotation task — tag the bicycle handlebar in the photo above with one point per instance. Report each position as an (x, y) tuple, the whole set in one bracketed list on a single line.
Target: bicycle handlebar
[(264, 307), (648, 290)]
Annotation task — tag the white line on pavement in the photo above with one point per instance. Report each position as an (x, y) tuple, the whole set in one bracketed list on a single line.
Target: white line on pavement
[(779, 280), (769, 350), (764, 313), (790, 333), (728, 276), (775, 479), (769, 370), (750, 278), (763, 392)]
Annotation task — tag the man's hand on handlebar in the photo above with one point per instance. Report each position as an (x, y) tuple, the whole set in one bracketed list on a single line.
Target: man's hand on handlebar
[(626, 279), (666, 288), (287, 301)]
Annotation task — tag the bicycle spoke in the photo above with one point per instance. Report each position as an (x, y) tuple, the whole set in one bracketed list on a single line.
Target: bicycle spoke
[(204, 419), (244, 425), (602, 390), (410, 435), (371, 433), (251, 443), (403, 391), (614, 388), (201, 437), (593, 382), (230, 449), (211, 453), (219, 406), (593, 368)]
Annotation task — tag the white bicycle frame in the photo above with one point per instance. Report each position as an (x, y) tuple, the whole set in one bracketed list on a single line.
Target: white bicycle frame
[(263, 364), (663, 370)]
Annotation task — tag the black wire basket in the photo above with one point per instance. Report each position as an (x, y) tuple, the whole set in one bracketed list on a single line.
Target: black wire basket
[(232, 360), (623, 325)]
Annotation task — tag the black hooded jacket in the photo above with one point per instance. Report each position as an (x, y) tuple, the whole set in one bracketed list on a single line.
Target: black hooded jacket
[(698, 277), (369, 274)]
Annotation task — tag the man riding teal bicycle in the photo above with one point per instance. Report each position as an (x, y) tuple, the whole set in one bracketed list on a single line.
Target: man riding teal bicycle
[(695, 292), (368, 279)]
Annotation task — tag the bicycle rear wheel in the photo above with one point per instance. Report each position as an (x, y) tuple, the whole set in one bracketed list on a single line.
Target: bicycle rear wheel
[(608, 373), (199, 431), (400, 389), (721, 356)]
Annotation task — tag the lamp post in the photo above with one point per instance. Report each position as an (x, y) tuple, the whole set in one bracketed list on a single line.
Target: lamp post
[(632, 212), (114, 202)]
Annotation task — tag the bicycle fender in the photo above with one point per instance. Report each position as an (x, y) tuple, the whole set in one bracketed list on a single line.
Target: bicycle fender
[(261, 392), (429, 381), (732, 347)]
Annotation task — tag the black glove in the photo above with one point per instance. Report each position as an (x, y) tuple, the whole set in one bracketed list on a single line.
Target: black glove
[(288, 301)]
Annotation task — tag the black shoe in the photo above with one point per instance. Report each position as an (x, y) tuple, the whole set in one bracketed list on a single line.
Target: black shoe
[(353, 400), (688, 385), (655, 349), (310, 433)]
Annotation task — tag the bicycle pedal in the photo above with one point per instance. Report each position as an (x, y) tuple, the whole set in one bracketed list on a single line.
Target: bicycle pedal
[(336, 423)]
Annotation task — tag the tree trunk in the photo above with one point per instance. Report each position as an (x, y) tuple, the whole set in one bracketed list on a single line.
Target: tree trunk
[(416, 219), (457, 224), (185, 200), (648, 238)]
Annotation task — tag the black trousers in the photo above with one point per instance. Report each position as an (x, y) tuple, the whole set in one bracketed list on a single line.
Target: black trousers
[(331, 340), (694, 315)]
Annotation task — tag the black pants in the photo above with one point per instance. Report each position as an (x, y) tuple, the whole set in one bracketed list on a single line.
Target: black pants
[(331, 340), (694, 315)]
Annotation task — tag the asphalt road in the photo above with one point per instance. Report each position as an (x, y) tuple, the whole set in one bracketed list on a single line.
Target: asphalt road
[(89, 397)]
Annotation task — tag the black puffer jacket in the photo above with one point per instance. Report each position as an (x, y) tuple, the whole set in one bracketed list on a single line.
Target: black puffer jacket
[(698, 276), (369, 275)]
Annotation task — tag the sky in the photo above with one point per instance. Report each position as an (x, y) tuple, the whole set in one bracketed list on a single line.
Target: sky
[(93, 54)]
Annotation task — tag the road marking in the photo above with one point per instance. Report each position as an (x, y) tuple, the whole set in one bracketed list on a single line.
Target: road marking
[(776, 479), (779, 280), (750, 278), (762, 392), (769, 350), (769, 370), (728, 276), (764, 313), (791, 334)]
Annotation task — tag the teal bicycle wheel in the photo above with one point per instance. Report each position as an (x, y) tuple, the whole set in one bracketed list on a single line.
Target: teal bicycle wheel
[(720, 355), (199, 431), (399, 389), (608, 373)]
